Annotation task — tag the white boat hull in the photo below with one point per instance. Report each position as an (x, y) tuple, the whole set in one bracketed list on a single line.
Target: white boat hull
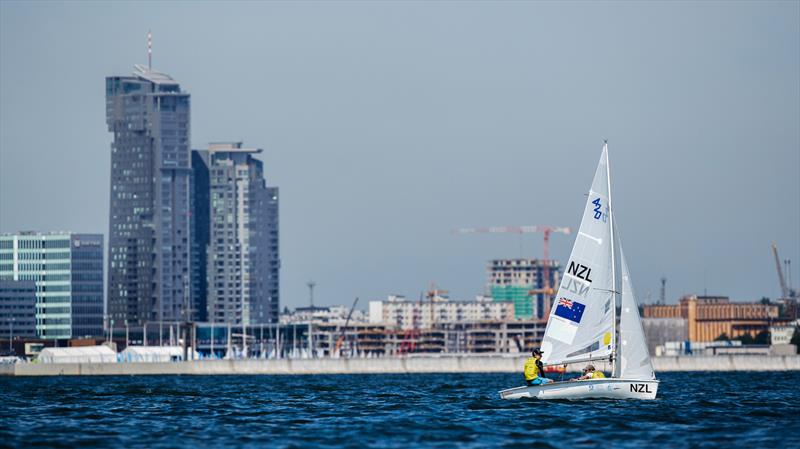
[(587, 389)]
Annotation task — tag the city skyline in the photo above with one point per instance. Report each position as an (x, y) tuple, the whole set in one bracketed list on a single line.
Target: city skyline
[(379, 155)]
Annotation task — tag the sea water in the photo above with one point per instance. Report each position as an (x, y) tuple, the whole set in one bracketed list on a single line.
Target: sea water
[(726, 410)]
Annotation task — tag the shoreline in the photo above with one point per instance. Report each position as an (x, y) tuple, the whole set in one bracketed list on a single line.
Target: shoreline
[(495, 363)]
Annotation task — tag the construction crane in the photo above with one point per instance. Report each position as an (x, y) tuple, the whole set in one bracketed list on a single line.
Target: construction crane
[(786, 290), (432, 294), (410, 337), (548, 290), (342, 335)]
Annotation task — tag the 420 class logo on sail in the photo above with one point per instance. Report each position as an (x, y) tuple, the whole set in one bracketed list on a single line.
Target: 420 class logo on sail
[(598, 213)]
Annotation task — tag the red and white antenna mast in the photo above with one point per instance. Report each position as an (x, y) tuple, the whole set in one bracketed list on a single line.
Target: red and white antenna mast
[(149, 50)]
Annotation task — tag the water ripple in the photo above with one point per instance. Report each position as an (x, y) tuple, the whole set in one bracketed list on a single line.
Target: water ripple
[(391, 411)]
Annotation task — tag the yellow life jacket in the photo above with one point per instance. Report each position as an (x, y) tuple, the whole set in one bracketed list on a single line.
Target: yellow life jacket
[(531, 370), (598, 375)]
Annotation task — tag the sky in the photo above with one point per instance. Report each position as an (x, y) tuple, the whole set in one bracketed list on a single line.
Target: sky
[(388, 124)]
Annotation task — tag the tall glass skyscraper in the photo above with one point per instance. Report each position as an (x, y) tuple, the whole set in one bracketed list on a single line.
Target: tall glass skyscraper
[(149, 235)]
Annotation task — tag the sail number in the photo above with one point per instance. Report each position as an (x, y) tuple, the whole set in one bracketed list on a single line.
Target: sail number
[(598, 213), (640, 388), (579, 271)]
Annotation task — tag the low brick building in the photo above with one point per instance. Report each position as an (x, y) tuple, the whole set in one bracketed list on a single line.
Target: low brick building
[(708, 317)]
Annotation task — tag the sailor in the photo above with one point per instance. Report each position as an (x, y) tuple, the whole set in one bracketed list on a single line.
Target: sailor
[(590, 373), (534, 370)]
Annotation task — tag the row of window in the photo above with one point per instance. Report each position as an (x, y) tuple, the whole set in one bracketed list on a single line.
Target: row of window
[(34, 256), (36, 244)]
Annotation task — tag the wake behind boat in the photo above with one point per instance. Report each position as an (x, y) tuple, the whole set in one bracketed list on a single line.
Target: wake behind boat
[(582, 323)]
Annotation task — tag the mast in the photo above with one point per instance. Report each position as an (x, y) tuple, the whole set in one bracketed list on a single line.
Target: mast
[(614, 352)]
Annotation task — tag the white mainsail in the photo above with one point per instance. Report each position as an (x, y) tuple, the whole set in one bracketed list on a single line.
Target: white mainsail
[(634, 358), (581, 322)]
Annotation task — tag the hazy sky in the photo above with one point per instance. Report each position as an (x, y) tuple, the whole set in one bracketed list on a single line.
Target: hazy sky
[(387, 124)]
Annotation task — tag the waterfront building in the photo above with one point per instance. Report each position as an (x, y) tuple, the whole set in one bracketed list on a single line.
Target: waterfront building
[(483, 336), (522, 281), (333, 314), (406, 314), (17, 308), (201, 232), (242, 261), (782, 335), (709, 317), (67, 270), (149, 233), (659, 331)]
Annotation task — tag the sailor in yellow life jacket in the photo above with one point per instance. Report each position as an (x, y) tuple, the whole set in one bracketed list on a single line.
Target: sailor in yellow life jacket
[(590, 373), (534, 370)]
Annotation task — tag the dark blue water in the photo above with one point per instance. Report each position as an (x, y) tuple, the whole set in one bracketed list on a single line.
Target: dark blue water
[(728, 410)]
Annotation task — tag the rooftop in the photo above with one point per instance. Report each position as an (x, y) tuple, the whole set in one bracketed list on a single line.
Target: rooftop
[(230, 147), (153, 76)]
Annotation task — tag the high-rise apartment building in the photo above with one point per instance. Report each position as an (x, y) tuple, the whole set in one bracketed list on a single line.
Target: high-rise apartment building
[(239, 229), (67, 270), (522, 281), (149, 229)]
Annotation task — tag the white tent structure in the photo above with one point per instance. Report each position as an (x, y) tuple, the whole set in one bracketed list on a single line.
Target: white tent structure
[(149, 354), (78, 354)]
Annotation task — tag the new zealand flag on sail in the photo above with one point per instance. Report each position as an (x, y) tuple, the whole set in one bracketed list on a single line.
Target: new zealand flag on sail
[(569, 309)]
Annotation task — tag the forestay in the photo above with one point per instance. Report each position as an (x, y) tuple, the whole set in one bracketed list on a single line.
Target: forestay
[(581, 321), (634, 358)]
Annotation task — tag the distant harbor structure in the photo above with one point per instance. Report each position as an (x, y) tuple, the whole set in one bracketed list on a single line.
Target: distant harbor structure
[(706, 318), (406, 314), (316, 314), (65, 270)]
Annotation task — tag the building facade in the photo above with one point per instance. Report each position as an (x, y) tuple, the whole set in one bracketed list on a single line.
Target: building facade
[(17, 309), (709, 317), (67, 270), (404, 314), (149, 232), (332, 314), (523, 282), (201, 230), (242, 261)]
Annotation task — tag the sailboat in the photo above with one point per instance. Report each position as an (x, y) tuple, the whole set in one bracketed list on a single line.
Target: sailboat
[(582, 325)]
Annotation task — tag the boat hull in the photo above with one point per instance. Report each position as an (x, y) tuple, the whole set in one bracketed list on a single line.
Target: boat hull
[(587, 389)]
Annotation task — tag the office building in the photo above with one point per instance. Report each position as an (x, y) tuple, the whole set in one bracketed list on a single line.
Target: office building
[(67, 270), (242, 261), (149, 231), (17, 309)]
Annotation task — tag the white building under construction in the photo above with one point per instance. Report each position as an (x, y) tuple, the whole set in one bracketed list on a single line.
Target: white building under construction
[(408, 314)]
